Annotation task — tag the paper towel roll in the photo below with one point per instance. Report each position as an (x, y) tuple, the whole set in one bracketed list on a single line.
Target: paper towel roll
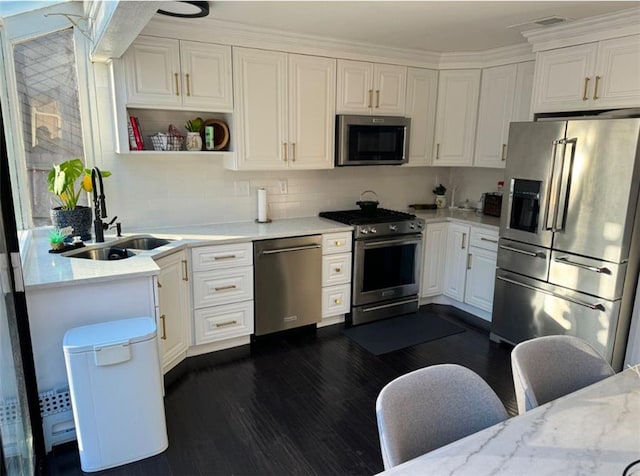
[(262, 206)]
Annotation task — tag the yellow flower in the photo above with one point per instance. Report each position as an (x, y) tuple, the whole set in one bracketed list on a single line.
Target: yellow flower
[(86, 183)]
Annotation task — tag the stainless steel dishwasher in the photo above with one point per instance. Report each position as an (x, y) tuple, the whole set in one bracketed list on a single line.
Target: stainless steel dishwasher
[(287, 283)]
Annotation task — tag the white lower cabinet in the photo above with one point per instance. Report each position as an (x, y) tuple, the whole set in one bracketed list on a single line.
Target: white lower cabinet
[(222, 292), (456, 260), (460, 263), (174, 326), (336, 274), (433, 264)]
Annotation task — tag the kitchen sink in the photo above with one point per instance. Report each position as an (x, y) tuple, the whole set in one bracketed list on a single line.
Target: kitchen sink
[(143, 243), (105, 253)]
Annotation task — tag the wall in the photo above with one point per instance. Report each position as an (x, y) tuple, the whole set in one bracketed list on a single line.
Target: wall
[(176, 190), (470, 183)]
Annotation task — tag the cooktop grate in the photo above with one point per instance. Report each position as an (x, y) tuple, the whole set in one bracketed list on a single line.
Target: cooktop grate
[(360, 217)]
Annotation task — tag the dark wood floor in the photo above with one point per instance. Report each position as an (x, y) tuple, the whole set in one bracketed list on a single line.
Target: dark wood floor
[(296, 404)]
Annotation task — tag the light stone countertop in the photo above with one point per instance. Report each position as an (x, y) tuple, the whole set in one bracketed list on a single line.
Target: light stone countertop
[(593, 431), (458, 215), (42, 269)]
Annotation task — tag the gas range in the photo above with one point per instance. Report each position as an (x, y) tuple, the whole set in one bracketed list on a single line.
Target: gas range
[(377, 223)]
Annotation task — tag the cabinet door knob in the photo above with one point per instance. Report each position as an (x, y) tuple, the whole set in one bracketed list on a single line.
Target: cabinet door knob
[(338, 243), (337, 301), (595, 87), (586, 86), (175, 75), (338, 269)]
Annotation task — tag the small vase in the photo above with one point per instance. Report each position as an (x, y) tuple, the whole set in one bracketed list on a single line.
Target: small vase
[(194, 141), (441, 201)]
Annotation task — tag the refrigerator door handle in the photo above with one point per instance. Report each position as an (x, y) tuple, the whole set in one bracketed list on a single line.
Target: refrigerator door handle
[(550, 186), (596, 306), (524, 252), (564, 184), (566, 260)]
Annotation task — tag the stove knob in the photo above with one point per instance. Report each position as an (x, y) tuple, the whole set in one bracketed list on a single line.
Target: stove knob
[(412, 226), (374, 231), (364, 231), (393, 228)]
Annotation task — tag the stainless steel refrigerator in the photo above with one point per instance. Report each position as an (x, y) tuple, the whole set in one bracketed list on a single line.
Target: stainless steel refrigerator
[(569, 243)]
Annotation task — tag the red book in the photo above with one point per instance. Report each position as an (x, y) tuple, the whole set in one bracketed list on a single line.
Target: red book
[(136, 132), (133, 145)]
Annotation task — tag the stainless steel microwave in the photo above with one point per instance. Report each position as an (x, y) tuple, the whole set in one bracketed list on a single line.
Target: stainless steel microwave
[(372, 140)]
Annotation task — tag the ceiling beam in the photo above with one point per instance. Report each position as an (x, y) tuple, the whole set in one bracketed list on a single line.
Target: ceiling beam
[(116, 24)]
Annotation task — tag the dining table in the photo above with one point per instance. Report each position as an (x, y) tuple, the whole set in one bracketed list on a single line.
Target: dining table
[(592, 431)]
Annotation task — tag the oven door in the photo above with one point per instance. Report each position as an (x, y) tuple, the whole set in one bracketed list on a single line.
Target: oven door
[(386, 268)]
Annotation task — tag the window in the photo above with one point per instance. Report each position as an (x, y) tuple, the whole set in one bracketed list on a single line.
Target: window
[(47, 86)]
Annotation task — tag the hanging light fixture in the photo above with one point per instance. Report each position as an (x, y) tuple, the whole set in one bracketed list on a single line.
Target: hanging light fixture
[(185, 9)]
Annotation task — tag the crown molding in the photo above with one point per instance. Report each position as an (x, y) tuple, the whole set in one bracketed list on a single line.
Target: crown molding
[(236, 34), (601, 27), (486, 59)]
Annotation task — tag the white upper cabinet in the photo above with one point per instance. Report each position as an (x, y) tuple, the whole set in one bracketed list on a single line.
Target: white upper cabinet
[(165, 73), (599, 75), (284, 112), (371, 88), (456, 116), (422, 90), (504, 97)]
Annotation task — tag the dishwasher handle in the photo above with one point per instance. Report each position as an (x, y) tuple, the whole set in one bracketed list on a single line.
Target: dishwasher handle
[(293, 248)]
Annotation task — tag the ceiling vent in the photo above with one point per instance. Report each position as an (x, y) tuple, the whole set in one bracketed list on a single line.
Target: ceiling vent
[(549, 21)]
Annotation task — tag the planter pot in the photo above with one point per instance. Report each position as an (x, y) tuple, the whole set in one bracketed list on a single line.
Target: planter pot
[(79, 219), (194, 141), (441, 201)]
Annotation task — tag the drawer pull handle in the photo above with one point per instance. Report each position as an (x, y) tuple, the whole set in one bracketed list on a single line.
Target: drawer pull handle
[(218, 258), (595, 269), (164, 327), (482, 238), (227, 323), (226, 288), (523, 252), (337, 301)]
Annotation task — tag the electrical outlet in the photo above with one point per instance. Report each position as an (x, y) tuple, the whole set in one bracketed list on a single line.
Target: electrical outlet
[(283, 187), (241, 188)]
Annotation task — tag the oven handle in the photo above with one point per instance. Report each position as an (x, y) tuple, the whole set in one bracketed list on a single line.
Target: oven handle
[(397, 241), (386, 306), (596, 307)]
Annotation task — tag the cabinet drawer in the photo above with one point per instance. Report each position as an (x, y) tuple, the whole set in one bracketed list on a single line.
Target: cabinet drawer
[(484, 238), (211, 288), (223, 322), (336, 300), (336, 243), (222, 256), (336, 269)]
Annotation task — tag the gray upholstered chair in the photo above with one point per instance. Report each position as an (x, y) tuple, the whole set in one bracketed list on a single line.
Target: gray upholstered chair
[(431, 407), (549, 367)]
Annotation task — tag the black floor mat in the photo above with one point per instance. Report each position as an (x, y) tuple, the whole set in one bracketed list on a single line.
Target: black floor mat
[(399, 332)]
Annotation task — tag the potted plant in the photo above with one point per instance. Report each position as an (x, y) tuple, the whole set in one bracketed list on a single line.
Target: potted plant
[(194, 140), (439, 192), (66, 181)]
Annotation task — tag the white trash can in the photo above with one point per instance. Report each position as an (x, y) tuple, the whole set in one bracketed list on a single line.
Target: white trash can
[(115, 384)]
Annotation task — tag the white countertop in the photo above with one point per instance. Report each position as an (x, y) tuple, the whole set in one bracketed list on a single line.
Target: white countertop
[(44, 269), (593, 431)]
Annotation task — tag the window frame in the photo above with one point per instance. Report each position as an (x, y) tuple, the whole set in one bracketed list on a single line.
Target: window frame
[(19, 29)]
